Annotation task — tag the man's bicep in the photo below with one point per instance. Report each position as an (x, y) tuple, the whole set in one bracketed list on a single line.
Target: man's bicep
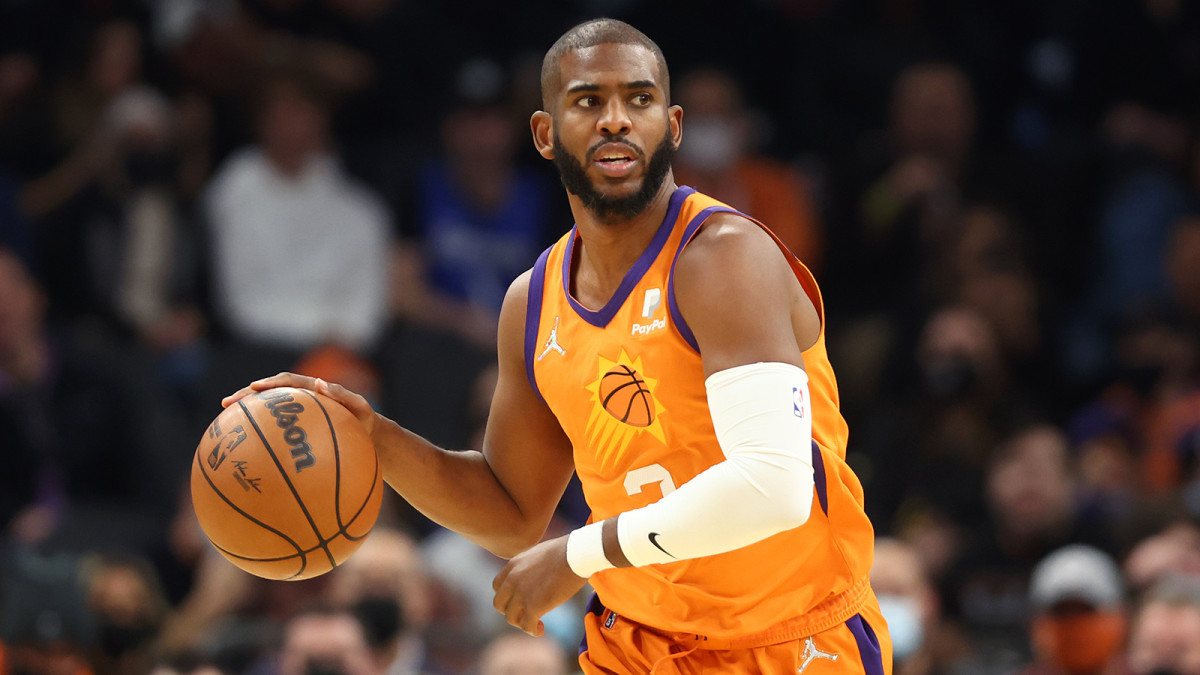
[(736, 291), (524, 444)]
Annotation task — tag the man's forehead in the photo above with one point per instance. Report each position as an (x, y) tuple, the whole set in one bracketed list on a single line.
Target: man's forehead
[(609, 63)]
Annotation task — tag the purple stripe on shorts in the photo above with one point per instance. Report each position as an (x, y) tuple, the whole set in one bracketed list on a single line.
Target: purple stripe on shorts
[(601, 318), (690, 231), (819, 478), (596, 607), (868, 645), (533, 316)]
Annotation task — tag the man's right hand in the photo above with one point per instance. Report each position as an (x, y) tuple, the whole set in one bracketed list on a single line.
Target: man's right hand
[(356, 404)]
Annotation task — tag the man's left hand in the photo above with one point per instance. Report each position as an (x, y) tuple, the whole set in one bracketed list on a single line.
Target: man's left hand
[(534, 583)]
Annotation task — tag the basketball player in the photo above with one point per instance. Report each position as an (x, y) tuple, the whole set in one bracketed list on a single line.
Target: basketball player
[(670, 351)]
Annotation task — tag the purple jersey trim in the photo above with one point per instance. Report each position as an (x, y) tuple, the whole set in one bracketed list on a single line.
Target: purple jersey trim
[(868, 645), (819, 478), (533, 317), (601, 318), (685, 331)]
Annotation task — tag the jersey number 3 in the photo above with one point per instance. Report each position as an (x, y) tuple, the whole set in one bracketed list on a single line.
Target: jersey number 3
[(648, 475)]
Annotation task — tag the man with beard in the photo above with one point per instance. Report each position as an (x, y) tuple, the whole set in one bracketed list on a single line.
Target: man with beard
[(670, 351)]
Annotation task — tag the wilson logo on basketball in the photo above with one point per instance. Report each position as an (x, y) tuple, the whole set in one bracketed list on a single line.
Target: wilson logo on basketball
[(624, 406), (285, 410)]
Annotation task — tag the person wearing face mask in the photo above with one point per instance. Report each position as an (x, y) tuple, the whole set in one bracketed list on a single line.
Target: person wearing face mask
[(719, 159), (1079, 625), (922, 643)]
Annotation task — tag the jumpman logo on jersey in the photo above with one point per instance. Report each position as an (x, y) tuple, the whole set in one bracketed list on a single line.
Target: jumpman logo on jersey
[(811, 653), (552, 343)]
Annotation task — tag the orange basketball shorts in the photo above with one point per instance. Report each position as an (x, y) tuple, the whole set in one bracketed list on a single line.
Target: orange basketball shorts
[(614, 645)]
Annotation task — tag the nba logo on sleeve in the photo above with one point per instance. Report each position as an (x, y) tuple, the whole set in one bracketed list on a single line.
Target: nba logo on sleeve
[(798, 401)]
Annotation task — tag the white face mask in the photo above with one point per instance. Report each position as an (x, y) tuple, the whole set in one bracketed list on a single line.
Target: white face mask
[(709, 144), (903, 617)]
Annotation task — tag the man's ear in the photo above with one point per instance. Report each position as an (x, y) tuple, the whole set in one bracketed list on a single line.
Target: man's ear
[(542, 126), (675, 120)]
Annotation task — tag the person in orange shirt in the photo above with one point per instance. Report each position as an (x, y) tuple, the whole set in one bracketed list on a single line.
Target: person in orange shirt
[(671, 351), (719, 159)]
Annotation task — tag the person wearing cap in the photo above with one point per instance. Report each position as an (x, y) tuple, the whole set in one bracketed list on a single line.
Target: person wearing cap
[(1079, 623)]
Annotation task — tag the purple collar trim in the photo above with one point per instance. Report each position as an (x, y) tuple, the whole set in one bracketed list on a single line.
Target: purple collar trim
[(601, 318)]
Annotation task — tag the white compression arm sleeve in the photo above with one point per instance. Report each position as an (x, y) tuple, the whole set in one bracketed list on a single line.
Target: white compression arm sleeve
[(763, 420)]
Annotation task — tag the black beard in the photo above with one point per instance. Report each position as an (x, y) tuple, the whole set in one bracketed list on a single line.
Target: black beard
[(574, 178)]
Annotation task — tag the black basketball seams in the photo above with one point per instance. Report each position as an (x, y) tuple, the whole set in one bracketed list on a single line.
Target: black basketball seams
[(324, 543), (344, 531), (343, 528), (337, 465), (303, 556), (299, 551)]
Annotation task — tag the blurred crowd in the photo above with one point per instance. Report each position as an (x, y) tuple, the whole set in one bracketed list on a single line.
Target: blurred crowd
[(999, 199)]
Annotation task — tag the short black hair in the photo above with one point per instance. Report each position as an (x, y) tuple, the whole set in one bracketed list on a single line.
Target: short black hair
[(589, 34)]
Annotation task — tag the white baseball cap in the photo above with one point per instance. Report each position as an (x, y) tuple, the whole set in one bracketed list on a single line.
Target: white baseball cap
[(1076, 572)]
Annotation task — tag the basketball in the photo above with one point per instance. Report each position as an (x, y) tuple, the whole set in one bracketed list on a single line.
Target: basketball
[(625, 396), (286, 483)]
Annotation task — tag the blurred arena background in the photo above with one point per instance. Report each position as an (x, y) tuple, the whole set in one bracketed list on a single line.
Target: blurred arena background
[(999, 198)]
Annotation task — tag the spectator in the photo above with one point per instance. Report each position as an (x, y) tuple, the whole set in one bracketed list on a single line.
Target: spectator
[(481, 218), (902, 196), (513, 654), (385, 576), (326, 641), (1079, 623), (1172, 551), (82, 430), (922, 643), (127, 600), (1030, 490), (299, 247), (1166, 629), (720, 158)]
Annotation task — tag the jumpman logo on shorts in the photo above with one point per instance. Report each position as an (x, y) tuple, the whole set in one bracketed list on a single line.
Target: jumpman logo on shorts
[(552, 343), (811, 653)]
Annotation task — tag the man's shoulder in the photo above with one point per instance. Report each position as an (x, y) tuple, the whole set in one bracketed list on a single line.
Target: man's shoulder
[(363, 199), (244, 169)]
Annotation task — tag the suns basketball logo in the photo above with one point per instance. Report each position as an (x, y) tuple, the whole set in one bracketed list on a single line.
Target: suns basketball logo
[(623, 407)]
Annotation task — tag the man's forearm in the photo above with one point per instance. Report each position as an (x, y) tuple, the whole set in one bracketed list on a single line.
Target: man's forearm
[(456, 489)]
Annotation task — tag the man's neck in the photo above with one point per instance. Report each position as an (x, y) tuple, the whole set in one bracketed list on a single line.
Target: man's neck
[(292, 165), (609, 248)]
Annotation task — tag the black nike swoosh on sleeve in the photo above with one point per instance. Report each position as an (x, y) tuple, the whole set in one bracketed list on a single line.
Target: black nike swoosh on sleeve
[(653, 540)]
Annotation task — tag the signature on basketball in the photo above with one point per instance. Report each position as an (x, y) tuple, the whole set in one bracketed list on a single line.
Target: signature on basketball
[(286, 412)]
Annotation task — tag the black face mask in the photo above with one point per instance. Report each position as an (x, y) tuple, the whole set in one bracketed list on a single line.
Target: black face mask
[(951, 378), (119, 639), (321, 667), (149, 167), (1142, 378), (381, 618)]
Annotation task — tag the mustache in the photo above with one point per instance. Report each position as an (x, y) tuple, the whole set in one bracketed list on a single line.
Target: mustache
[(619, 140)]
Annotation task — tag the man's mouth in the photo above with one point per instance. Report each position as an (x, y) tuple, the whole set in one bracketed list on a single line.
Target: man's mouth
[(615, 160)]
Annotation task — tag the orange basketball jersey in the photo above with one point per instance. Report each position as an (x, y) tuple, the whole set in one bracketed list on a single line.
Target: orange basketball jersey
[(626, 383)]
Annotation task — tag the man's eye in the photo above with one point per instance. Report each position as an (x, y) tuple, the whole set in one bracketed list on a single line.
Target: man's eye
[(642, 99), (589, 102)]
